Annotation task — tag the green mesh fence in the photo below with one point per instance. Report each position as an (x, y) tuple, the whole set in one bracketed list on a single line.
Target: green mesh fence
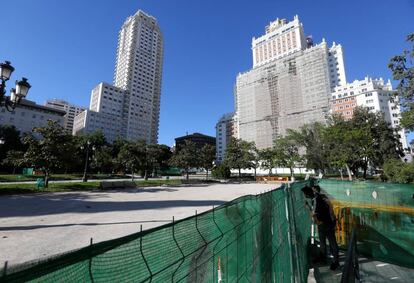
[(261, 238), (383, 215)]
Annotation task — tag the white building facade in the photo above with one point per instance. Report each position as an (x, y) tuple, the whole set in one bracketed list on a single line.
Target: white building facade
[(70, 109), (336, 65), (105, 113), (226, 128), (281, 38), (373, 94), (132, 104), (28, 115)]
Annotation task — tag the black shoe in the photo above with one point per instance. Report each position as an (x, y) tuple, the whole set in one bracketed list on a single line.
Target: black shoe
[(322, 260), (334, 265)]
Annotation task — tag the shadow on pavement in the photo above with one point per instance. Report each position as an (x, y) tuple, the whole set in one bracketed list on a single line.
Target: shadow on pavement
[(62, 203), (33, 227)]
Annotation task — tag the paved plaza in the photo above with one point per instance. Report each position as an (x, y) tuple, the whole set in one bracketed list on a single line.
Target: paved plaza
[(34, 226)]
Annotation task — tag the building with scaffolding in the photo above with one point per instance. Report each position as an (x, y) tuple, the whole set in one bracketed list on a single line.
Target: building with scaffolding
[(289, 85)]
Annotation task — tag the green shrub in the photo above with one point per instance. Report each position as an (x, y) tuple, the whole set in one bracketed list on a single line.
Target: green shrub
[(221, 172), (398, 171)]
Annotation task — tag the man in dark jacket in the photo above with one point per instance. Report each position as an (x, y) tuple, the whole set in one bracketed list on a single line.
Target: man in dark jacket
[(324, 217)]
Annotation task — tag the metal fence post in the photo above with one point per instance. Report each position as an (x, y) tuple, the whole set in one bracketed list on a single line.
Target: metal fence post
[(204, 248), (179, 248), (295, 237), (5, 268), (90, 262), (292, 278), (214, 249), (296, 275), (143, 256)]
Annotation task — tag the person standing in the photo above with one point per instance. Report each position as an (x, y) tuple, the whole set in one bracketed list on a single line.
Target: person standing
[(324, 217)]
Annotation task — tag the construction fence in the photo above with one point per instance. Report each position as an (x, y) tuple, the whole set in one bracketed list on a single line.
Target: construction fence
[(255, 238), (382, 215)]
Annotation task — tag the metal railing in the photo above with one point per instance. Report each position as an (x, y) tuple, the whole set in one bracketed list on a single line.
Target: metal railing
[(350, 272)]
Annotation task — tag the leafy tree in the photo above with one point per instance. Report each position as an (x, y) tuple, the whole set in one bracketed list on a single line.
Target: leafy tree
[(267, 158), (402, 67), (155, 157), (50, 150), (96, 139), (398, 171), (311, 138), (238, 155), (163, 156), (186, 158), (221, 172), (103, 160), (152, 159), (207, 156), (14, 158), (286, 153), (130, 156), (115, 150), (339, 137), (363, 141), (256, 158), (11, 140)]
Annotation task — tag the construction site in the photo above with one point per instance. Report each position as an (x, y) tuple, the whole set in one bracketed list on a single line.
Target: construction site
[(268, 237)]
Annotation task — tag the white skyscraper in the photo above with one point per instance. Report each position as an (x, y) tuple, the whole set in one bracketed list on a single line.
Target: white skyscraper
[(138, 70), (131, 108)]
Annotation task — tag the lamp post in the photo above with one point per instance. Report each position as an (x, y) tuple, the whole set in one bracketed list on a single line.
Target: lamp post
[(85, 171), (16, 94)]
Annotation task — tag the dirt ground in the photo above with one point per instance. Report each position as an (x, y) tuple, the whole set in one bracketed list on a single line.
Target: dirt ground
[(34, 226)]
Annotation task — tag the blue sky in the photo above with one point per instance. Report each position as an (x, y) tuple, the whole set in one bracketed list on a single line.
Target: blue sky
[(67, 47)]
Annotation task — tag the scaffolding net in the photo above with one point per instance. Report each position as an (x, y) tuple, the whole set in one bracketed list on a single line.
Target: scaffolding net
[(383, 215), (255, 238)]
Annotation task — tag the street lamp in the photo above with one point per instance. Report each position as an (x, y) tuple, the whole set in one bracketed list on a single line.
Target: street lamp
[(85, 171), (17, 93)]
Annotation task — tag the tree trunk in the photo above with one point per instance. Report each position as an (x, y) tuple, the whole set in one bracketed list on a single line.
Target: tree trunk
[(132, 174), (146, 175), (349, 172), (187, 177), (355, 171), (292, 178), (365, 170), (14, 170), (255, 173), (270, 172), (342, 175), (239, 173), (46, 179)]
